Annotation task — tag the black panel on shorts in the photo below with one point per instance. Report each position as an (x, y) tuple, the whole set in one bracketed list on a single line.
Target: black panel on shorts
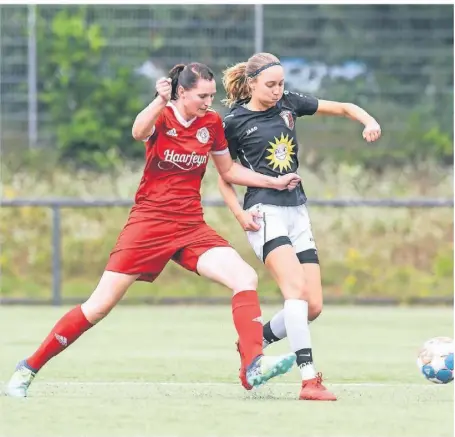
[(309, 256), (273, 244)]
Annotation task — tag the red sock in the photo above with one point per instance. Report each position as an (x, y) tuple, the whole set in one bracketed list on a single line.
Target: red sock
[(66, 331), (248, 322)]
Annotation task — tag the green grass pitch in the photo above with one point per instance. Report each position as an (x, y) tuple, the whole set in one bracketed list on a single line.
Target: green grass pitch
[(172, 371)]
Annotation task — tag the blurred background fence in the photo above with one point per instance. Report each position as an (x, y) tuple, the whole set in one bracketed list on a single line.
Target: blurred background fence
[(395, 59), (72, 79)]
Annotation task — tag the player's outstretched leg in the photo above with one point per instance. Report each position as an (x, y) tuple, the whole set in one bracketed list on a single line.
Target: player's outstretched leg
[(285, 268), (312, 388), (275, 329), (69, 328), (296, 314), (224, 265), (255, 368)]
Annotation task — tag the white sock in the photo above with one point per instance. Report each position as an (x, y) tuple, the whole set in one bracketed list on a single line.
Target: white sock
[(277, 324), (278, 328), (298, 333)]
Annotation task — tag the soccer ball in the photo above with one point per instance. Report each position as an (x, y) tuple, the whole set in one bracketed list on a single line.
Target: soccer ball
[(435, 360)]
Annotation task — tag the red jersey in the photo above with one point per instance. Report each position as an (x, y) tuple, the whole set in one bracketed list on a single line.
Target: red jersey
[(176, 160)]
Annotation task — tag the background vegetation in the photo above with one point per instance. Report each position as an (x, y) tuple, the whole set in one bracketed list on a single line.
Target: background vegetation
[(89, 92)]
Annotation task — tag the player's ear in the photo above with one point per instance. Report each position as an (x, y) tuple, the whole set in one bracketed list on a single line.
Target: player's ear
[(180, 91), (250, 82)]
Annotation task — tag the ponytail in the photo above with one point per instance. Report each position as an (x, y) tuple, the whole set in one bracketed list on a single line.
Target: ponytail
[(174, 76), (235, 83)]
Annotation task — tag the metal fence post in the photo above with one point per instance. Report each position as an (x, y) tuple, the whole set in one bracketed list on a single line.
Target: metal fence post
[(258, 28), (1, 81), (32, 79), (56, 256)]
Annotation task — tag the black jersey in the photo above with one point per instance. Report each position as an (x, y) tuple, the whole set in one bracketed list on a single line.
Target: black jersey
[(266, 142)]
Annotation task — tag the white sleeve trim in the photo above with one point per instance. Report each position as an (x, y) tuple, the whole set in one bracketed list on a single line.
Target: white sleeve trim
[(221, 152)]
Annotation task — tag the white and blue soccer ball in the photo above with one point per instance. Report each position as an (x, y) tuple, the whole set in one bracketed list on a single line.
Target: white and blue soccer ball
[(435, 360)]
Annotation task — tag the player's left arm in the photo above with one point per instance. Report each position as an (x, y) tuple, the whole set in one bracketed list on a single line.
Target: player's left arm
[(372, 130), (234, 173)]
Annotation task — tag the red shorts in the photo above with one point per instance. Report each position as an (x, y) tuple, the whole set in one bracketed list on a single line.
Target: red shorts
[(146, 245)]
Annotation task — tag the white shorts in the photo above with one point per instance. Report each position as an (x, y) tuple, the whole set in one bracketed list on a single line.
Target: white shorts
[(282, 225)]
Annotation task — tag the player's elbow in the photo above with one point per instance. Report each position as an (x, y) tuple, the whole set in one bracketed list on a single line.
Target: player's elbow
[(340, 109), (222, 182), (135, 135), (227, 172), (138, 134), (140, 130), (227, 178), (347, 109)]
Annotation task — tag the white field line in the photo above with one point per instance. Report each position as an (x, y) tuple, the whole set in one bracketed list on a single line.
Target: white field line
[(220, 384)]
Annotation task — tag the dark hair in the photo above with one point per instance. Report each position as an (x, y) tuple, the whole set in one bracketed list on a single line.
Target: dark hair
[(187, 76)]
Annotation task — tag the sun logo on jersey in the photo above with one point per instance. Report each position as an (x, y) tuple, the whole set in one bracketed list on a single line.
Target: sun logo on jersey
[(281, 153)]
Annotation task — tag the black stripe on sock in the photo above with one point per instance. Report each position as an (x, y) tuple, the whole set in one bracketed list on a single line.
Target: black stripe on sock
[(268, 335), (304, 356)]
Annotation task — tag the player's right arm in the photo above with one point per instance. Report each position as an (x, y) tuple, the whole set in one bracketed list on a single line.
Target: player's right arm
[(143, 126), (245, 218), (309, 105), (227, 190)]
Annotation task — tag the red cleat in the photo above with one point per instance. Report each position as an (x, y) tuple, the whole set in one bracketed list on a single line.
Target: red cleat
[(242, 370), (313, 390)]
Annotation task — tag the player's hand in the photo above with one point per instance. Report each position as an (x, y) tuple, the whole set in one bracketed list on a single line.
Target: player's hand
[(372, 132), (249, 220), (164, 88), (287, 182)]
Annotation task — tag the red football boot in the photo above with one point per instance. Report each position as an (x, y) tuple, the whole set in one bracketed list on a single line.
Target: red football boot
[(313, 390), (242, 370)]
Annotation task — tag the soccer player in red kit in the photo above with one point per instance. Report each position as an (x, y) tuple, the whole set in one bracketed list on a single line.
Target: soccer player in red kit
[(166, 223)]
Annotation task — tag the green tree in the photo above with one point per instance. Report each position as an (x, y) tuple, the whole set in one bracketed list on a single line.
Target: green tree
[(91, 97)]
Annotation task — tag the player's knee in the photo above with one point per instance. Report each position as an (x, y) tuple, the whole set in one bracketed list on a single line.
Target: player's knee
[(246, 278), (109, 291), (314, 311), (295, 288), (96, 311)]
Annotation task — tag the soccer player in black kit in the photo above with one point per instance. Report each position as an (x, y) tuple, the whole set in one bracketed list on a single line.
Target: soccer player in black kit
[(260, 130)]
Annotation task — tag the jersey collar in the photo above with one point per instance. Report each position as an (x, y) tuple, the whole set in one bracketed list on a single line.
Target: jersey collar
[(179, 117), (241, 104)]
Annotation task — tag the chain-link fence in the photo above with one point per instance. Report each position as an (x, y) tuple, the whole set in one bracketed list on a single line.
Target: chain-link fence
[(383, 56)]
